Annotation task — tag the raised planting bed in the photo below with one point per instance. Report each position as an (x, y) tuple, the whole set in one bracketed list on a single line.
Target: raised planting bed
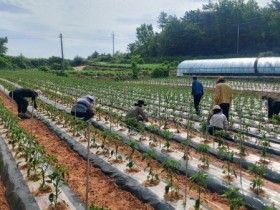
[(99, 184), (246, 160), (164, 108), (178, 206), (21, 166), (272, 175), (140, 176), (260, 203)]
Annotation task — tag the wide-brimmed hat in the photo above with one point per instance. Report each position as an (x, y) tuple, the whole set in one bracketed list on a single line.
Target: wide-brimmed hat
[(220, 78), (140, 103), (216, 107)]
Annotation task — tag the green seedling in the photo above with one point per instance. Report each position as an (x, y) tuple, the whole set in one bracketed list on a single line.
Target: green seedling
[(44, 163), (57, 179), (203, 149), (170, 167), (258, 170), (200, 179), (133, 145), (235, 200), (152, 177)]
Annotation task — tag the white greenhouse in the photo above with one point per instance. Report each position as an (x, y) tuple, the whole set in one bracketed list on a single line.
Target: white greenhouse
[(231, 66)]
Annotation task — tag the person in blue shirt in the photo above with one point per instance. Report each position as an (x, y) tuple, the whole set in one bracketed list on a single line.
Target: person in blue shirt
[(197, 93)]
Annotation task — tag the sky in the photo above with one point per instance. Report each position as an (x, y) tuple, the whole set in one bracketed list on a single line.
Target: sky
[(33, 27)]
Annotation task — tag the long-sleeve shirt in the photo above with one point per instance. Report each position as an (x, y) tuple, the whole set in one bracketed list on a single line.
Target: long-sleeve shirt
[(197, 88), (219, 120), (24, 93), (223, 94), (134, 113), (82, 104)]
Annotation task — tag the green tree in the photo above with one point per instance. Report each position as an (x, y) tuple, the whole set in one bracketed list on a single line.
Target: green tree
[(77, 61), (146, 41), (4, 62), (95, 54), (3, 42), (162, 20)]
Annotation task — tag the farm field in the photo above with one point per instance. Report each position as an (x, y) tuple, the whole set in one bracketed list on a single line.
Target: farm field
[(167, 163)]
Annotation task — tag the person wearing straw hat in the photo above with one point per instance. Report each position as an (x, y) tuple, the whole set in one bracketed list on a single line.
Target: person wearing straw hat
[(83, 108), (223, 95), (217, 121), (137, 112), (19, 96)]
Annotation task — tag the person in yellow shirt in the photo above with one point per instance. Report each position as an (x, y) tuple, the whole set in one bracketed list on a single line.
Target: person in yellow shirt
[(223, 95)]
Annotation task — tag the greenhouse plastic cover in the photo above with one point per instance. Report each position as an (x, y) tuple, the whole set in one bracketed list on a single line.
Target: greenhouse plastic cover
[(269, 65), (231, 65)]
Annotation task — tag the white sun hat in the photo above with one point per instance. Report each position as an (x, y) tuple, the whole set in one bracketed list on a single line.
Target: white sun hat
[(216, 107)]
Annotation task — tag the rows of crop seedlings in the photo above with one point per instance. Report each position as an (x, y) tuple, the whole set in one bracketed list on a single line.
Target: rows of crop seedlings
[(34, 164), (263, 141), (162, 105), (94, 208), (115, 100), (104, 149), (109, 146), (176, 104), (172, 101), (237, 84), (222, 149)]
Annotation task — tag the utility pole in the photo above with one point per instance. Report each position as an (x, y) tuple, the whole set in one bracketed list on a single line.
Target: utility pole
[(62, 56), (240, 7), (113, 36), (237, 41)]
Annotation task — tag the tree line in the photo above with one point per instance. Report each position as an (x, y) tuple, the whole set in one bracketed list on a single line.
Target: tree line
[(228, 28)]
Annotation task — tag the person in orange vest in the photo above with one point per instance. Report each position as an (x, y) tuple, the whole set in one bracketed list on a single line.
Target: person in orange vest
[(223, 95)]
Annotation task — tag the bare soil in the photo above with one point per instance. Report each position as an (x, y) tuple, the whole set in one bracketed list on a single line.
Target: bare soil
[(3, 201)]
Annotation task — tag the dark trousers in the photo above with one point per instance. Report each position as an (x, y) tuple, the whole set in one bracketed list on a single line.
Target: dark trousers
[(85, 115), (273, 107), (211, 131), (196, 99), (225, 108), (22, 103)]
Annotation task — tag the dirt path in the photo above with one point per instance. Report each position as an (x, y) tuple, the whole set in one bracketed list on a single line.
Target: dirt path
[(103, 191), (78, 68)]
